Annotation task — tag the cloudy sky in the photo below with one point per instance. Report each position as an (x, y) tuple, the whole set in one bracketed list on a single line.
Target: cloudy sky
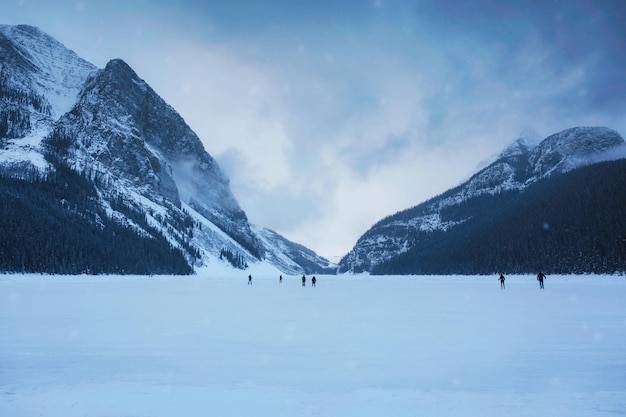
[(329, 115)]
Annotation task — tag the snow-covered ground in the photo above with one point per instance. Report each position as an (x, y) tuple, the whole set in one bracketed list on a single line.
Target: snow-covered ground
[(352, 346)]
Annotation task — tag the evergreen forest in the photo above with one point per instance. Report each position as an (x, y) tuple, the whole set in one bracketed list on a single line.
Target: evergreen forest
[(53, 223), (568, 223)]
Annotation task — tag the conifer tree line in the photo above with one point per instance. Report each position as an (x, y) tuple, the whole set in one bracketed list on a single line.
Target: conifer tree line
[(569, 223), (54, 224), (234, 259)]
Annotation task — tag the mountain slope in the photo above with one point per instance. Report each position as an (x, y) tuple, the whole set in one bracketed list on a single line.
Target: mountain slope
[(293, 258), (435, 236), (142, 165), (122, 129), (39, 81), (43, 68)]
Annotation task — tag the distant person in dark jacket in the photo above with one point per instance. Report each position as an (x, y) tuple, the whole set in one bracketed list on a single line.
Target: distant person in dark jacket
[(540, 278), (280, 279), (313, 280), (303, 281), (501, 281), (249, 279)]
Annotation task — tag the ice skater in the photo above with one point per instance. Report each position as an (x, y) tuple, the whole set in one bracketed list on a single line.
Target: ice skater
[(249, 279), (280, 279), (303, 281), (313, 280), (540, 278), (501, 281)]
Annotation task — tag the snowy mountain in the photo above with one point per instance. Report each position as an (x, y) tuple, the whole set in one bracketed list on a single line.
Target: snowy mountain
[(126, 149), (39, 81), (293, 258), (122, 131), (435, 235)]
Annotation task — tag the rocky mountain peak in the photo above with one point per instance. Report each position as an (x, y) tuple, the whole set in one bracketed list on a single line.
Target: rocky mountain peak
[(200, 180), (572, 148), (518, 148), (121, 126), (45, 67)]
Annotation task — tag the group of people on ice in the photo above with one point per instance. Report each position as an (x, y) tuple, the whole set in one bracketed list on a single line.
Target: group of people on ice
[(540, 278), (280, 279), (313, 281)]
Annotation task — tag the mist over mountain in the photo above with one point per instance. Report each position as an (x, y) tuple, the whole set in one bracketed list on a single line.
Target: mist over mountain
[(135, 169), (557, 206)]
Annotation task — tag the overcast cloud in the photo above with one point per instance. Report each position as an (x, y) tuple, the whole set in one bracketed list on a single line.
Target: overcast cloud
[(328, 116)]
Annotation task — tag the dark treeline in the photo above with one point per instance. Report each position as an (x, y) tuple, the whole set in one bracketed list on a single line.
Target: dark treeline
[(570, 223), (234, 259), (54, 224)]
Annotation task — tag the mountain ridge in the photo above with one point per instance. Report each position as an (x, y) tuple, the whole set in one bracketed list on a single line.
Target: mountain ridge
[(151, 173), (518, 167)]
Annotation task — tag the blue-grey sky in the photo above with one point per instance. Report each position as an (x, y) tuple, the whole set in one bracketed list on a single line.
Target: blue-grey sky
[(329, 115)]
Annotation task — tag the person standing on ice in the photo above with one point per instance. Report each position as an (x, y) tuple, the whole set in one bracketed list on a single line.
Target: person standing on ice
[(280, 279), (303, 281), (501, 281), (313, 280), (540, 278), (249, 279)]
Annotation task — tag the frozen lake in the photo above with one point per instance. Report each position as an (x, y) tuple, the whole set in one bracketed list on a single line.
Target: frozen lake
[(352, 346)]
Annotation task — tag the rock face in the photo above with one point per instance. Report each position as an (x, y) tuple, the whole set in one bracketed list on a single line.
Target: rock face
[(47, 74), (121, 128), (39, 81), (518, 167), (58, 111)]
